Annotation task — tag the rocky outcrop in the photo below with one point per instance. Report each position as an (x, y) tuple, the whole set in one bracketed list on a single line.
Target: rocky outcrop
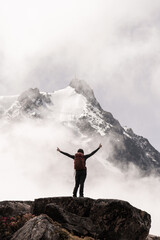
[(100, 219), (80, 226), (41, 227), (151, 237), (72, 219), (14, 208)]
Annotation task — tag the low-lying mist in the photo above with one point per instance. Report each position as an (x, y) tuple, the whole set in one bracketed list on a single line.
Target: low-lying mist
[(32, 168)]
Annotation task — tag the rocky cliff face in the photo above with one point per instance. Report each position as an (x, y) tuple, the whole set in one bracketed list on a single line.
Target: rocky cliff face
[(76, 218), (128, 147)]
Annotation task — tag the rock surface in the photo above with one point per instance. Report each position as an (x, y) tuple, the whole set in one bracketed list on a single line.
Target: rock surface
[(151, 237), (76, 218), (41, 227), (13, 208), (100, 219)]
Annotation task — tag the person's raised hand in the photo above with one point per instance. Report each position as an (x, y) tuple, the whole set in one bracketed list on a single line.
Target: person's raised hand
[(100, 145), (58, 149)]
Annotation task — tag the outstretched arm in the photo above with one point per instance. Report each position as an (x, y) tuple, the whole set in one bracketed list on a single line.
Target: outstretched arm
[(92, 153), (66, 154)]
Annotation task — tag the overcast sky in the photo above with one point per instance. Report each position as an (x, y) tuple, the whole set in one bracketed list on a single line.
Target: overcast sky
[(113, 45)]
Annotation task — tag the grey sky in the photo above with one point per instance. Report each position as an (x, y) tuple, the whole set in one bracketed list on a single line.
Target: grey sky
[(113, 45)]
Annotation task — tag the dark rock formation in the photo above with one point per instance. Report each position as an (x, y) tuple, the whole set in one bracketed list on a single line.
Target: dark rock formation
[(80, 226), (139, 151), (41, 227), (14, 208), (100, 219), (151, 237), (74, 218)]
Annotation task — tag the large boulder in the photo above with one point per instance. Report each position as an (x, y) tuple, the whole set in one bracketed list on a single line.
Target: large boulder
[(41, 227), (79, 226), (100, 219), (78, 206)]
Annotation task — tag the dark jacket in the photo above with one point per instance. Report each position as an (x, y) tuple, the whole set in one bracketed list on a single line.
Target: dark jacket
[(85, 156)]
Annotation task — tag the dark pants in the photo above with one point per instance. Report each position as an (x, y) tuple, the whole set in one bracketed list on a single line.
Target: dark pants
[(79, 181)]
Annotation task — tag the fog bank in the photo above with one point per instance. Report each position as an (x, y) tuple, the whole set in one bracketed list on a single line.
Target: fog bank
[(32, 168)]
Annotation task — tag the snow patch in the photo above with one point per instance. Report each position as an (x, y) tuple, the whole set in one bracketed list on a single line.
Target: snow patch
[(127, 135), (150, 156), (67, 105), (7, 101)]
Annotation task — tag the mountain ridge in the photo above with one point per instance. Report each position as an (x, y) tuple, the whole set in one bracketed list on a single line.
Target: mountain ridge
[(77, 107)]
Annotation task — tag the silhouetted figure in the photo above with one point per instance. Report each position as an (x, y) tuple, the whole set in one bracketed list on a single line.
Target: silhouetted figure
[(80, 168)]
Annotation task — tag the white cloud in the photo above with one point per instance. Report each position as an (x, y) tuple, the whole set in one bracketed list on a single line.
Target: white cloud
[(96, 39), (32, 168), (155, 83)]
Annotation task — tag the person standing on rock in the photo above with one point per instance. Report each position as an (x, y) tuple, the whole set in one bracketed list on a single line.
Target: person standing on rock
[(80, 168)]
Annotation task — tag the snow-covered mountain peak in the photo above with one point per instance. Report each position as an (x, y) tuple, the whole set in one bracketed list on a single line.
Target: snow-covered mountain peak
[(30, 103), (76, 108), (33, 97), (72, 107), (83, 88), (66, 106)]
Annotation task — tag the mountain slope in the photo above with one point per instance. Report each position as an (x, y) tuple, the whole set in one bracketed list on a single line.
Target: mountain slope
[(77, 108)]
